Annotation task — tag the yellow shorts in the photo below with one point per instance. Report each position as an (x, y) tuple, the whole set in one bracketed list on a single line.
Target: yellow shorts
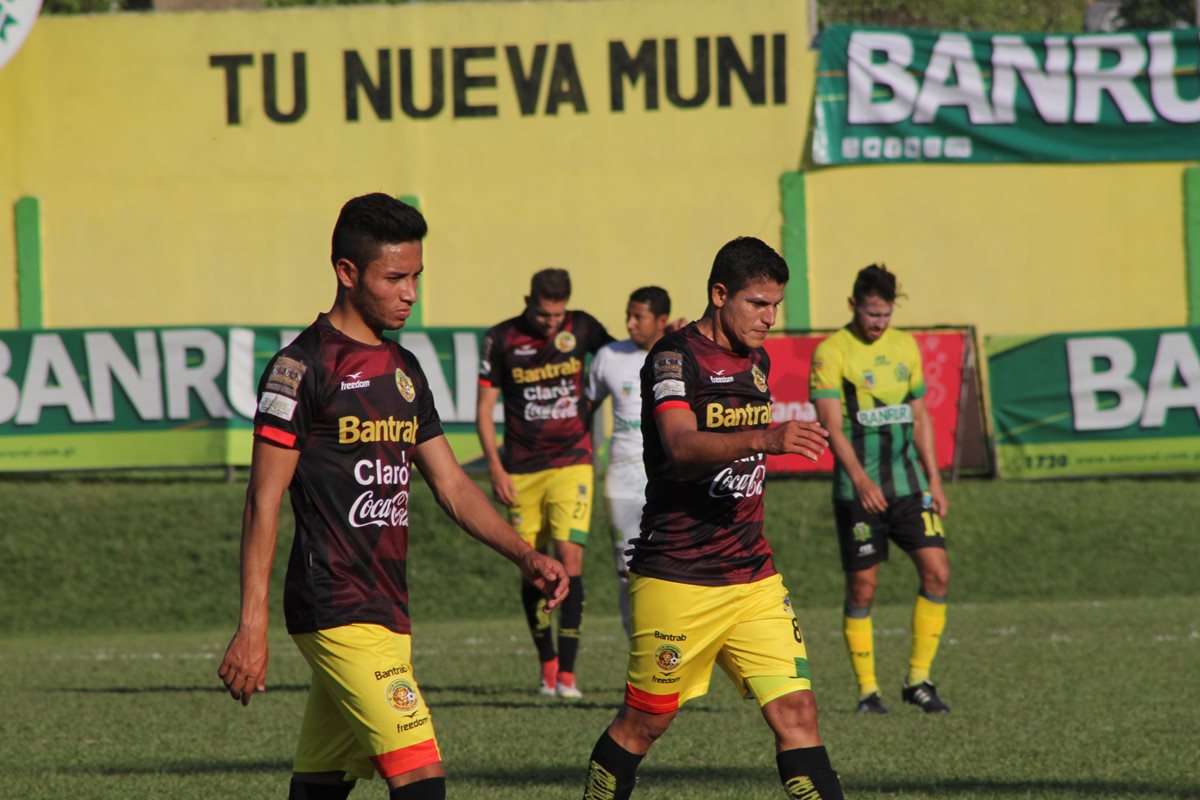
[(680, 630), (553, 504), (365, 713)]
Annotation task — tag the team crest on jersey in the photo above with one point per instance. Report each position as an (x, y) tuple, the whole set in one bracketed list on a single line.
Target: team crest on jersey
[(668, 657), (668, 365), (760, 380), (405, 385), (862, 532), (901, 372), (564, 341), (868, 378), (402, 696), (627, 390), (285, 376)]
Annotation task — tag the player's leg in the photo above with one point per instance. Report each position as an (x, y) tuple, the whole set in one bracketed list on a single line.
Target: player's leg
[(625, 514), (366, 675), (765, 657), (612, 767), (527, 516), (569, 514), (325, 747), (921, 534), (862, 541)]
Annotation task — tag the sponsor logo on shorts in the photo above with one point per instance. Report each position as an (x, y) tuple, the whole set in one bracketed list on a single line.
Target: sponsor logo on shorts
[(402, 696), (408, 726), (402, 669), (564, 341), (787, 605), (861, 532), (668, 657), (657, 679), (926, 501), (354, 381), (285, 376), (866, 549), (760, 379), (670, 637), (405, 385)]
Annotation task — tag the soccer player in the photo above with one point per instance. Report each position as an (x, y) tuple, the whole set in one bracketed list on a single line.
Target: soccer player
[(544, 476), (344, 416), (614, 372), (703, 587), (867, 383)]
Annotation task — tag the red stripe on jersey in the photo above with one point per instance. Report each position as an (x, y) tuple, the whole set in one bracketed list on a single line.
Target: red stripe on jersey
[(649, 702), (406, 759), (275, 435), (486, 382), (670, 404)]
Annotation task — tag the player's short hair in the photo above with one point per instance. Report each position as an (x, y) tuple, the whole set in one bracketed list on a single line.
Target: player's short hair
[(875, 279), (744, 260), (551, 283), (655, 298), (370, 221)]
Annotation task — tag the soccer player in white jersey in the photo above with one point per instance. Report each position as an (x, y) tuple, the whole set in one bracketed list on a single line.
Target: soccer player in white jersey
[(614, 372)]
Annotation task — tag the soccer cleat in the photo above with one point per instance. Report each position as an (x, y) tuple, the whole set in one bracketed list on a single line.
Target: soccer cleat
[(872, 704), (549, 678), (924, 695), (566, 686)]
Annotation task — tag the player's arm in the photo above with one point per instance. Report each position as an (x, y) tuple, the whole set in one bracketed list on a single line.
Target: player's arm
[(458, 495), (485, 426), (595, 390), (244, 667), (923, 439), (829, 412), (690, 448)]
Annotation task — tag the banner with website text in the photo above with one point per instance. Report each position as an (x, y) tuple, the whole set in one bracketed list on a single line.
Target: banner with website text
[(1096, 403), (904, 96), (947, 358), (175, 397)]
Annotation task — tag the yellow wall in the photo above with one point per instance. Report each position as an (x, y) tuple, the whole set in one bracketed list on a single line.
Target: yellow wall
[(1011, 249), (157, 211)]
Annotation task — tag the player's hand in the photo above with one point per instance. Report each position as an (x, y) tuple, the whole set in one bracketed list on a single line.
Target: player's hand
[(870, 495), (807, 439), (940, 504), (548, 575), (502, 486), (243, 670)]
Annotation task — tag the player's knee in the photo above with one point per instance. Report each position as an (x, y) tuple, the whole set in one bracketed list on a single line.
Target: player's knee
[(860, 588), (793, 719), (640, 728), (935, 581)]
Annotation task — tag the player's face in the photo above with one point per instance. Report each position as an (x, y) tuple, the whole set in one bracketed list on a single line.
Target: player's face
[(383, 294), (746, 317), (644, 327), (872, 315), (546, 316)]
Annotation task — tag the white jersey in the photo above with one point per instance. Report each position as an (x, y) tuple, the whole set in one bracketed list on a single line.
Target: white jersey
[(615, 372)]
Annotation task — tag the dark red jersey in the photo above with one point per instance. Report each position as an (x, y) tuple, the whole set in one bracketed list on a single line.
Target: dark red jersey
[(355, 412), (541, 384), (704, 526)]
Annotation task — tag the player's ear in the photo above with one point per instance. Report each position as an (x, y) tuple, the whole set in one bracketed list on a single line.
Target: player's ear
[(718, 295), (347, 273), (853, 306)]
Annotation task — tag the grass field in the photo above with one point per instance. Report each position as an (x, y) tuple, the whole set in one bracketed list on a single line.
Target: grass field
[(1071, 656)]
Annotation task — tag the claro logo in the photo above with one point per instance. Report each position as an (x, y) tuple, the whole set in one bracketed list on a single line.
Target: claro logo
[(352, 430)]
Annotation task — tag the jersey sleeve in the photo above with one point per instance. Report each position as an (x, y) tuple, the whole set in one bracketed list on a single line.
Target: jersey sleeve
[(916, 377), (287, 399), (597, 388), (672, 378), (825, 373), (597, 334), (491, 366), (429, 423)]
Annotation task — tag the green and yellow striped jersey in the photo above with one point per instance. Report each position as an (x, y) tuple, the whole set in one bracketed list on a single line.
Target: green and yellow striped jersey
[(876, 382)]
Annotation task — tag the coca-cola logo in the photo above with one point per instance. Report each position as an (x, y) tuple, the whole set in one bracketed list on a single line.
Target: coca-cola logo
[(562, 408), (730, 483), (382, 511)]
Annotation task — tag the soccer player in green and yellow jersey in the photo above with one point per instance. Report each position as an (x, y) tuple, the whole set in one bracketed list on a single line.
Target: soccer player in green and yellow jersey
[(867, 384)]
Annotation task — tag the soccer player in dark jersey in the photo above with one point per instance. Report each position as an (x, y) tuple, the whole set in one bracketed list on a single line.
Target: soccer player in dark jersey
[(535, 363), (344, 415), (703, 587), (869, 389)]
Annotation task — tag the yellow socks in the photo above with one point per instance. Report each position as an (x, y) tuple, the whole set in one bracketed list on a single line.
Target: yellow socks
[(928, 622), (860, 641)]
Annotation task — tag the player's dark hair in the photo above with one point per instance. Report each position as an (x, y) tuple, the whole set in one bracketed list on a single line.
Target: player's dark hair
[(875, 279), (743, 260), (655, 298), (370, 221), (551, 283)]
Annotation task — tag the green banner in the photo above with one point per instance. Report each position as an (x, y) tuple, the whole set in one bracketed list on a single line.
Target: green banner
[(176, 397), (906, 96), (1097, 403)]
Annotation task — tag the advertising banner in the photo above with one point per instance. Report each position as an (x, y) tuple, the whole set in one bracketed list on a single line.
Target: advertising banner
[(943, 357), (175, 397), (1096, 403), (904, 96)]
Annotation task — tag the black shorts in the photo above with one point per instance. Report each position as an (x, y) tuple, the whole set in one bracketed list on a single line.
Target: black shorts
[(863, 537)]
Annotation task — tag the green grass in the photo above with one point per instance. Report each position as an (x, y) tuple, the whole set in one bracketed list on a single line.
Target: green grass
[(1070, 657)]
